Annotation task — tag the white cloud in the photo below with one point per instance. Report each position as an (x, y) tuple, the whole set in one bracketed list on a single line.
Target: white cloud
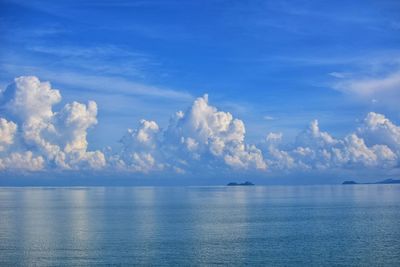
[(367, 87), (202, 139), (201, 136), (339, 75), (269, 118), (210, 133), (24, 161), (375, 145), (377, 129), (104, 84), (274, 137), (356, 152), (140, 149), (370, 78), (28, 99), (314, 137), (47, 138), (7, 132)]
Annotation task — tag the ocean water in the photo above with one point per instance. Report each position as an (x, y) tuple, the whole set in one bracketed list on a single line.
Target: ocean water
[(161, 226)]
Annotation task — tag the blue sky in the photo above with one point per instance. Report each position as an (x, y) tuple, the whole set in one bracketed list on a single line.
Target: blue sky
[(275, 65)]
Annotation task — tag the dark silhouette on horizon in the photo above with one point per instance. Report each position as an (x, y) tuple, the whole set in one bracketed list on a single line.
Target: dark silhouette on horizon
[(247, 183), (387, 181)]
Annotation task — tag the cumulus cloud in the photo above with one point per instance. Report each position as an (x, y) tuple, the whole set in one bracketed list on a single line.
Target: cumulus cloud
[(209, 133), (140, 149), (377, 129), (7, 132), (22, 161), (33, 136), (374, 145), (40, 138), (201, 139), (201, 136)]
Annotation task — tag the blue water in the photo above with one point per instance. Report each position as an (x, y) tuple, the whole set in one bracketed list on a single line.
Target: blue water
[(276, 226)]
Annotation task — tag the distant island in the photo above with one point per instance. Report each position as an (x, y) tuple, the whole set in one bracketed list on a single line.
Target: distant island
[(387, 181), (240, 184), (349, 182)]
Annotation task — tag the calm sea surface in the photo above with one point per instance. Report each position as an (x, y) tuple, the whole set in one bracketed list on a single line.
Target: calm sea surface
[(270, 226)]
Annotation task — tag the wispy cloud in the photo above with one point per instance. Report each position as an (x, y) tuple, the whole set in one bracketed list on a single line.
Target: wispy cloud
[(339, 75), (269, 118), (98, 83), (371, 86), (86, 51), (104, 59), (115, 85), (373, 79)]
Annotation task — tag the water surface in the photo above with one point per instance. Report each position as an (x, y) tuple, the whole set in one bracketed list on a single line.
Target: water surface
[(281, 226)]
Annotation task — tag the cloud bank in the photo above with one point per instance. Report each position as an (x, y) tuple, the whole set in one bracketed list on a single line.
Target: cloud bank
[(374, 145), (202, 139)]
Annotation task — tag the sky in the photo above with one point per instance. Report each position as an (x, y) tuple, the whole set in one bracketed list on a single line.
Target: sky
[(283, 91)]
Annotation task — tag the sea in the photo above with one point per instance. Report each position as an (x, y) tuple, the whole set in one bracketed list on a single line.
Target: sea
[(338, 225)]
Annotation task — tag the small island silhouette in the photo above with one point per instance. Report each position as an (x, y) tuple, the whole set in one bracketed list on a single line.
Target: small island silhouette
[(240, 184), (387, 181)]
